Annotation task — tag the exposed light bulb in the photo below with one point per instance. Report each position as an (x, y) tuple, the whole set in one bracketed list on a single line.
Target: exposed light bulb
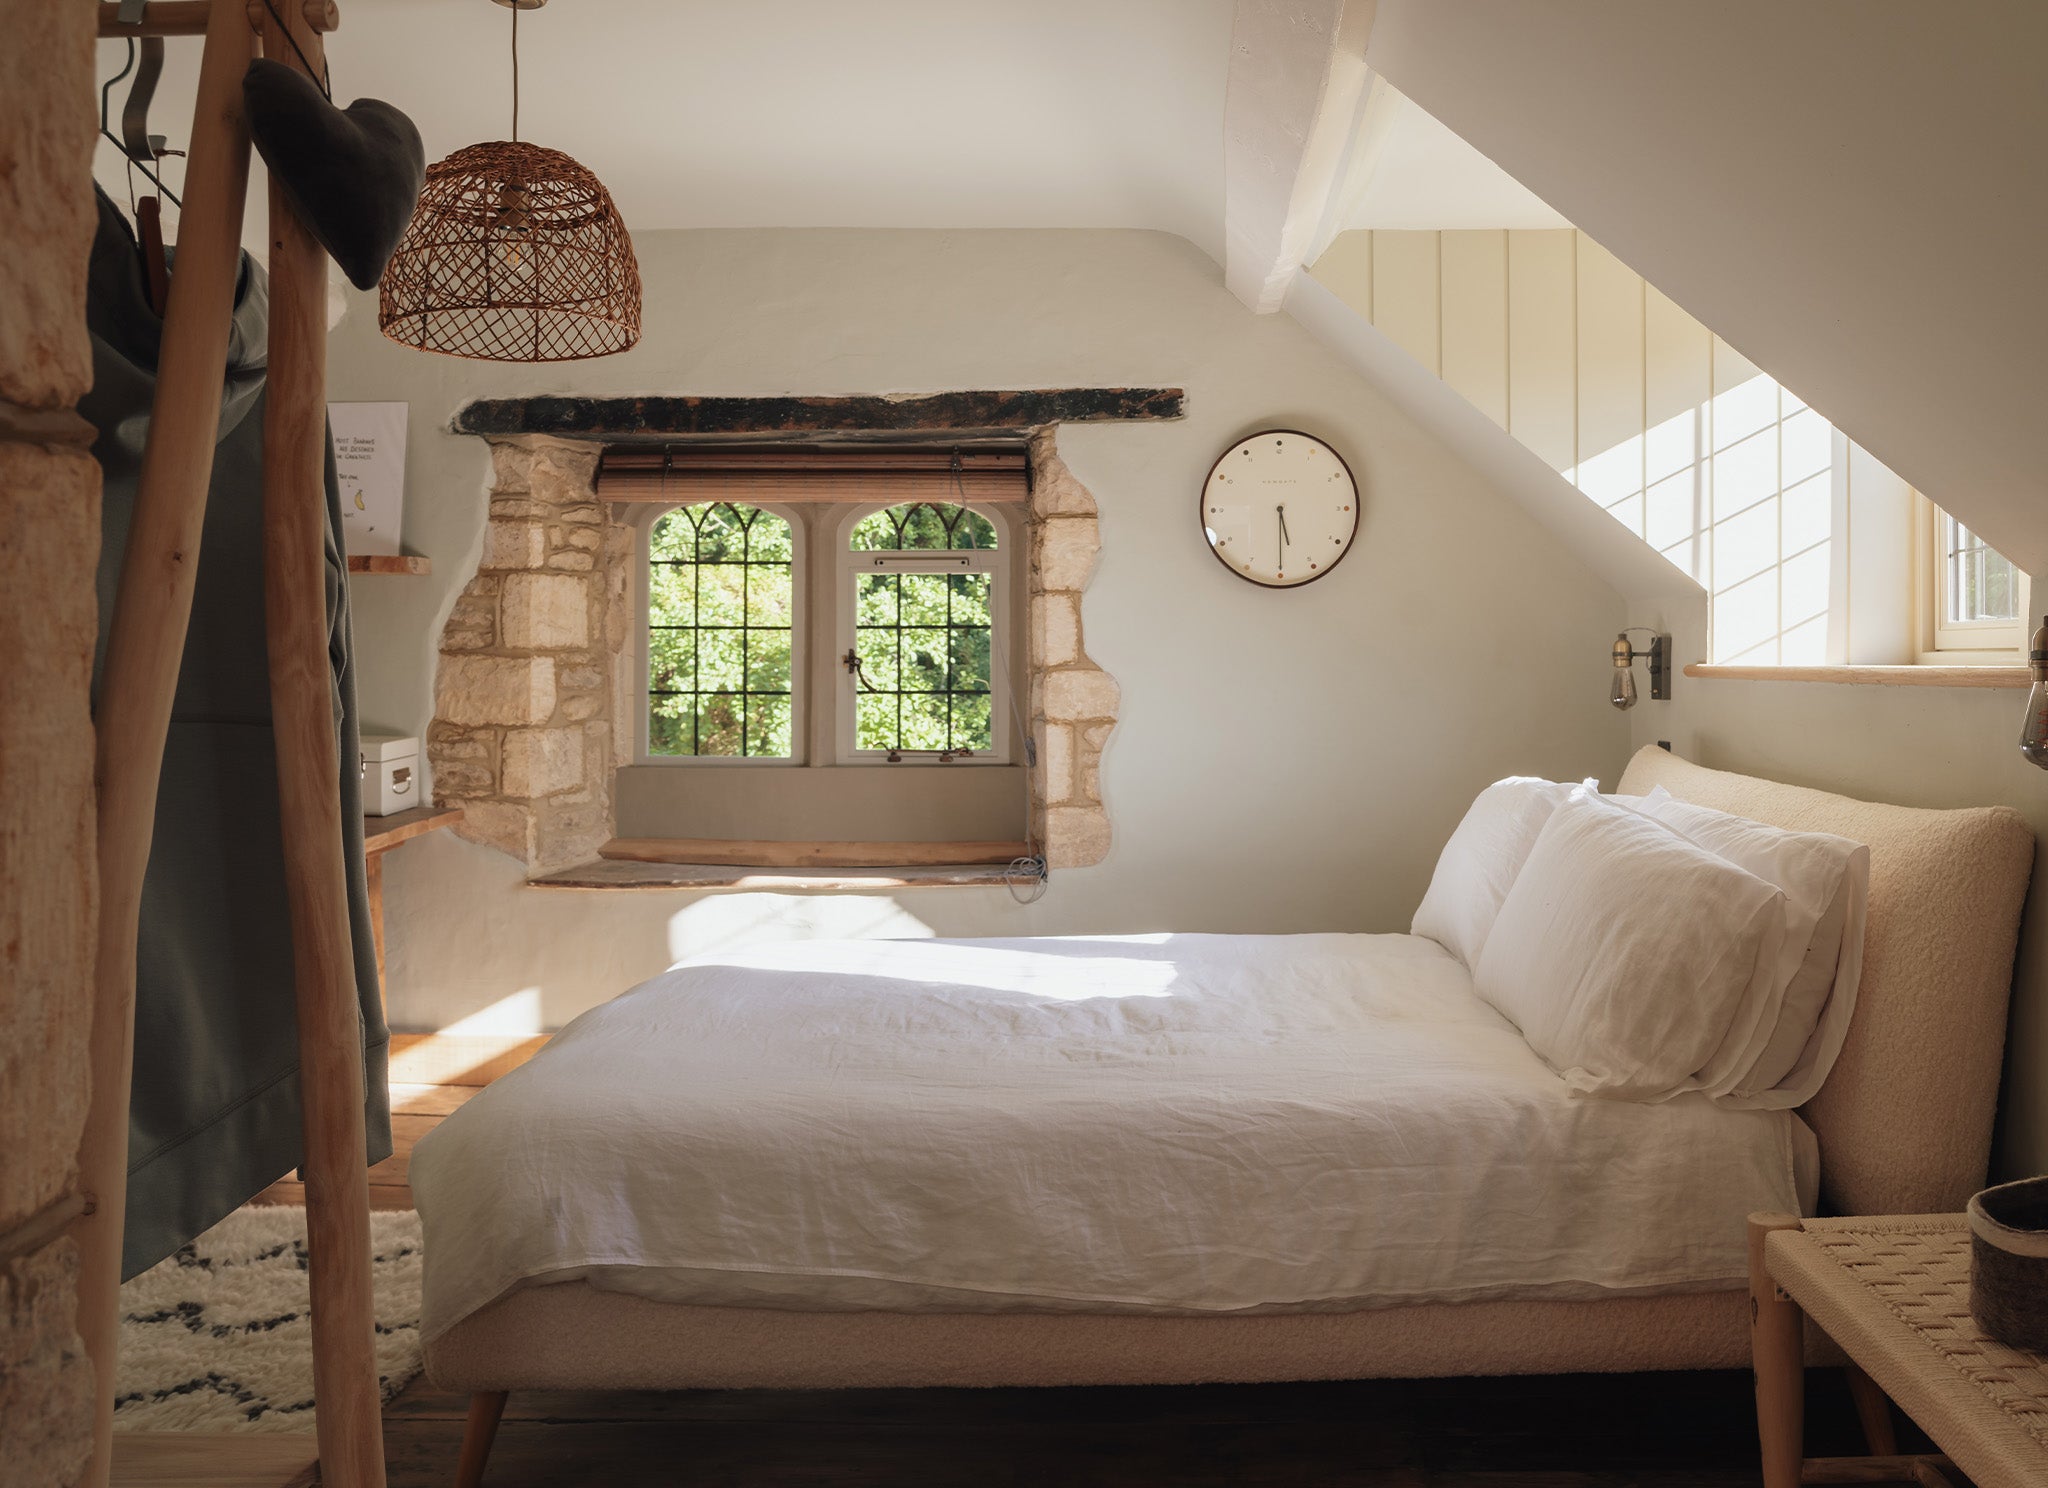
[(1622, 691), (2034, 732)]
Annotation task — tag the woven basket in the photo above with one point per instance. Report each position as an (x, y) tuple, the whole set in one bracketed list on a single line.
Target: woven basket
[(2009, 1262)]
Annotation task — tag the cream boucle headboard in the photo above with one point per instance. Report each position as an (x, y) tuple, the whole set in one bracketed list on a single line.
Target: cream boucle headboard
[(1905, 1118)]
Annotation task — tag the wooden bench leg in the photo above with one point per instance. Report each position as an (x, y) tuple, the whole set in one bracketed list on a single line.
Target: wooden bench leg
[(1777, 1343), (1874, 1411), (485, 1409)]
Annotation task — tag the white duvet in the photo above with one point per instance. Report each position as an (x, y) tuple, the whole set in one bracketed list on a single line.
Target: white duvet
[(1170, 1123)]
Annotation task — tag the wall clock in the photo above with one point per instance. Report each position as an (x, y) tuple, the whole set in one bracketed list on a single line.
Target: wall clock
[(1280, 508)]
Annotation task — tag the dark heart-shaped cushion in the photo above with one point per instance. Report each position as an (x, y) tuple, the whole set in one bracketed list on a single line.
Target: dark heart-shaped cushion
[(353, 174)]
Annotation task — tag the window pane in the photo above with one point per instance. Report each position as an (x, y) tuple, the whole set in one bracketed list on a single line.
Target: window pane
[(924, 721), (877, 599), (920, 526), (925, 641), (923, 599), (972, 724), (720, 651), (924, 661), (877, 652)]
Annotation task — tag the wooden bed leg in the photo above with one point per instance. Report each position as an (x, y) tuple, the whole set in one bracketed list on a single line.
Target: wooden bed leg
[(485, 1409), (1874, 1411), (1777, 1346)]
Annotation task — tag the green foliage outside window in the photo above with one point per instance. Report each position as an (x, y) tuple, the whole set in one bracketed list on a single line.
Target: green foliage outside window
[(924, 640), (720, 605)]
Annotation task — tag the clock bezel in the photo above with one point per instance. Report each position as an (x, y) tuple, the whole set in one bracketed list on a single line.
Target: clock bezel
[(1202, 498)]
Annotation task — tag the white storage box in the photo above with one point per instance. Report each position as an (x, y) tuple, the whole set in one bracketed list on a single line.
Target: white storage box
[(391, 773)]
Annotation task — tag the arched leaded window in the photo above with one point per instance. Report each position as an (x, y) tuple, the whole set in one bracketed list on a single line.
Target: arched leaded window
[(721, 652), (925, 670)]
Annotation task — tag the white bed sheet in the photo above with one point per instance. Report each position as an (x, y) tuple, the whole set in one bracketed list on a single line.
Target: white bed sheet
[(1169, 1123)]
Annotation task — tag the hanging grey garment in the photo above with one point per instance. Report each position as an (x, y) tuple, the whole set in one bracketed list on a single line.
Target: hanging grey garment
[(214, 1117)]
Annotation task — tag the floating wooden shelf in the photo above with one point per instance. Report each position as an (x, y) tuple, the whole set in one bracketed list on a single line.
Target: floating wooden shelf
[(389, 563), (1879, 676), (382, 833)]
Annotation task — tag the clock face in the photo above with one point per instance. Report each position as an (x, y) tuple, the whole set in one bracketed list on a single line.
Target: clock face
[(1280, 508)]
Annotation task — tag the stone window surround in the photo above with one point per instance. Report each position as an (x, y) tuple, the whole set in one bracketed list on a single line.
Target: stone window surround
[(534, 691)]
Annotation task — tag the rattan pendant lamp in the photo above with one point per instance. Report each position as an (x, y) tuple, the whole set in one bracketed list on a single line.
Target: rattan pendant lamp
[(516, 254)]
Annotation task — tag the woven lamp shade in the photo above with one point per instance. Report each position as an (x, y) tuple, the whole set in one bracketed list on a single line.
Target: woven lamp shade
[(515, 254)]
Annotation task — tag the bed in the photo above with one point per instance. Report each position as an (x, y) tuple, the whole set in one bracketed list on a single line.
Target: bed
[(703, 1184)]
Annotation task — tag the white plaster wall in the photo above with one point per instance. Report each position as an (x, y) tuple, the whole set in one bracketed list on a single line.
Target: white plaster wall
[(1917, 746), (1286, 761)]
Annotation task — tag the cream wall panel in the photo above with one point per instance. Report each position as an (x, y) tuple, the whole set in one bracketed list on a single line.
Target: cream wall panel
[(1883, 624), (1475, 318), (1346, 269), (1542, 340), (1609, 347), (1407, 294)]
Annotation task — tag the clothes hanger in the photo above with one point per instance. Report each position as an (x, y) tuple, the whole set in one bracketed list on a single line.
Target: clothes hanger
[(143, 150)]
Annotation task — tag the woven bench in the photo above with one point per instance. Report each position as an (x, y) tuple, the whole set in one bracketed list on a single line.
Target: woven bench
[(1894, 1294)]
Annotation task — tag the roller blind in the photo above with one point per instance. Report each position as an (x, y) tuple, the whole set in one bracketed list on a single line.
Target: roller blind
[(759, 476)]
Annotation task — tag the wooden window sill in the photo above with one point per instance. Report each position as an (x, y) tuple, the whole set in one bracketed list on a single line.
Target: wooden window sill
[(815, 867), (1877, 676), (611, 874)]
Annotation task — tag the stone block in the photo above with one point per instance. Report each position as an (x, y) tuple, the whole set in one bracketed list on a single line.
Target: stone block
[(509, 690), (511, 460), (581, 678), (575, 537), (1076, 836), (1083, 692), (1064, 550), (1056, 761), (504, 825), (472, 624), (446, 743), (581, 706), (1054, 491), (540, 762), (563, 473), (518, 508), (1055, 630), (46, 210), (570, 561), (46, 1394), (590, 514), (509, 544), (544, 612)]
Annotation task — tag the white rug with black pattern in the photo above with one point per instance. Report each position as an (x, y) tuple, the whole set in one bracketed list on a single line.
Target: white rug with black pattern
[(219, 1337)]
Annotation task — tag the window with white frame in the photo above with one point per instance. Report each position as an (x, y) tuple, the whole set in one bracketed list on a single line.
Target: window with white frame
[(1975, 598), (722, 644), (921, 633), (915, 616)]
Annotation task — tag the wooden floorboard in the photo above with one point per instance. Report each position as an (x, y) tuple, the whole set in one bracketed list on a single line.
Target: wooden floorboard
[(206, 1459)]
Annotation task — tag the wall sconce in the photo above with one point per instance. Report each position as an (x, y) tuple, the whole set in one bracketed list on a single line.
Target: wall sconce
[(2034, 732), (1622, 693)]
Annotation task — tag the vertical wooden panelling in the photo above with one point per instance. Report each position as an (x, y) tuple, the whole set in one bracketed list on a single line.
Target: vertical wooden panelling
[(1542, 337), (1345, 269), (1407, 297), (1610, 382), (1677, 381), (1475, 318), (1883, 625)]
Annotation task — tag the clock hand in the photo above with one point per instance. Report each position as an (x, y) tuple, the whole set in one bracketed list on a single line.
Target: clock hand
[(1284, 538)]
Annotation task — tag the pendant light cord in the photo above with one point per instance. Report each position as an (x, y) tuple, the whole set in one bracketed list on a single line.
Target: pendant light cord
[(515, 71)]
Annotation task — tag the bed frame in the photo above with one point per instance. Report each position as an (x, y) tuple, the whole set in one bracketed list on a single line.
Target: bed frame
[(1904, 1124)]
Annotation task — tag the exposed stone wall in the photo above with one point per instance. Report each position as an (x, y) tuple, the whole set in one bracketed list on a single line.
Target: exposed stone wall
[(49, 547), (525, 732), (1074, 702), (533, 703)]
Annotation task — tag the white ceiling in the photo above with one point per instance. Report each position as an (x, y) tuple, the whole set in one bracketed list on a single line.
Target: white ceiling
[(805, 113)]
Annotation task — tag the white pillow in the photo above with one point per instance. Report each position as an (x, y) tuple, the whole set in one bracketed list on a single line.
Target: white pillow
[(1826, 880), (1624, 952), (1478, 865)]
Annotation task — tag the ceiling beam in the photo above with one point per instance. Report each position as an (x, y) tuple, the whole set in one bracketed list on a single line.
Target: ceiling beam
[(1297, 83)]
